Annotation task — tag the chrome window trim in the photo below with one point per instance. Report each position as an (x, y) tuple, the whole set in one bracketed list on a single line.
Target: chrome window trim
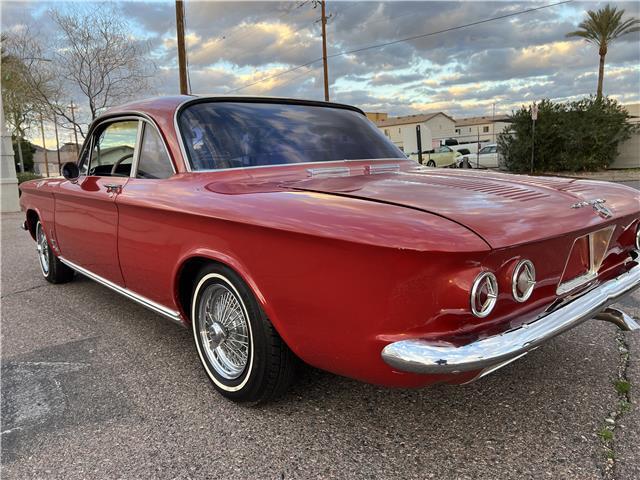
[(370, 160), (172, 315), (136, 152), (97, 125), (133, 115), (141, 133), (185, 159), (219, 99)]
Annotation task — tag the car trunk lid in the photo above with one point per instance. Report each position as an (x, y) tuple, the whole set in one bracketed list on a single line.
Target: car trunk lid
[(503, 209)]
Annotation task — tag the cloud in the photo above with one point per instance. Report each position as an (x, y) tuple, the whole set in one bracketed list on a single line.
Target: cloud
[(464, 71)]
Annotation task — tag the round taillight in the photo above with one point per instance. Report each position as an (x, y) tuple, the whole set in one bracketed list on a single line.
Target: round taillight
[(638, 237), (484, 294), (523, 280)]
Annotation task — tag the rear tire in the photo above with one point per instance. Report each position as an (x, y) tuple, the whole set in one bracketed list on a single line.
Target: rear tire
[(53, 270), (242, 354), (431, 163)]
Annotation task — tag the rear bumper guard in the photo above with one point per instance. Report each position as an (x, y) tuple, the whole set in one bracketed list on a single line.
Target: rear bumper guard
[(488, 354)]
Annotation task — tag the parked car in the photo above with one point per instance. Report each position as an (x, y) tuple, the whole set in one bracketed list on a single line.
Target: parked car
[(465, 148), (441, 157), (283, 229), (487, 157)]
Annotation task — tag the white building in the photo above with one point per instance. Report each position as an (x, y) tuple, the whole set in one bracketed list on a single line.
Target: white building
[(439, 126), (486, 128), (629, 153), (68, 153)]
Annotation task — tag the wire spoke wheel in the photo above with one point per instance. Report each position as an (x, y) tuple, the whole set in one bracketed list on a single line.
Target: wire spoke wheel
[(42, 246), (224, 332)]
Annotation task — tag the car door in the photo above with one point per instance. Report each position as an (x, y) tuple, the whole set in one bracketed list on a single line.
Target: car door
[(86, 215), (444, 156), (146, 238)]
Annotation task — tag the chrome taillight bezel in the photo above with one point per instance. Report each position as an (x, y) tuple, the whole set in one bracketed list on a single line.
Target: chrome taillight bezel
[(525, 267), (489, 279)]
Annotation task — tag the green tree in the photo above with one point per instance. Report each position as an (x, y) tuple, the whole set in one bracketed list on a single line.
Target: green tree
[(27, 153), (580, 135), (601, 28)]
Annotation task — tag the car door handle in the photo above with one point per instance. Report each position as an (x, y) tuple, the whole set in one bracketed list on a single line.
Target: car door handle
[(113, 188)]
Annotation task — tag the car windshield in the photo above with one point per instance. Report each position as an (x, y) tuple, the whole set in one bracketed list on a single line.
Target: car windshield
[(220, 135)]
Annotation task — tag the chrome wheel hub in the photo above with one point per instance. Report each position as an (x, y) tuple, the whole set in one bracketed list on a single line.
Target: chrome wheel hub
[(42, 246), (217, 335), (224, 332)]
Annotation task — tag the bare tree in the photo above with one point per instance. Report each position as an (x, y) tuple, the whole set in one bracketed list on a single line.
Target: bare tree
[(97, 62), (24, 83)]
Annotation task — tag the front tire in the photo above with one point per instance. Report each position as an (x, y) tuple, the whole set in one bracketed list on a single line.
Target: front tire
[(242, 354), (53, 270), (431, 163)]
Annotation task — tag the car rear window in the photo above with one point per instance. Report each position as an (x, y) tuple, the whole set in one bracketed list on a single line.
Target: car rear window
[(221, 135)]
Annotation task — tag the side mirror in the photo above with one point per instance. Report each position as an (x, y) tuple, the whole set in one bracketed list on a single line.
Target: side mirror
[(70, 171)]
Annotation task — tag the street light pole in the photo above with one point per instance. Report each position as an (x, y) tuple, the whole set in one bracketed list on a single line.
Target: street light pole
[(182, 55), (324, 51)]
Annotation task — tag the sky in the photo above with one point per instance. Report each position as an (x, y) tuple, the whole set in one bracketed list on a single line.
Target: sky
[(468, 71)]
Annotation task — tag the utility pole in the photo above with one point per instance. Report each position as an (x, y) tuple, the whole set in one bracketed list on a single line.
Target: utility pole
[(478, 148), (75, 132), (493, 122), (534, 117), (44, 147), (55, 127), (324, 50), (182, 56)]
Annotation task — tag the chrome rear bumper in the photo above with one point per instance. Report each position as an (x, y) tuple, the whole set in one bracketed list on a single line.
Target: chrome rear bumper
[(491, 353)]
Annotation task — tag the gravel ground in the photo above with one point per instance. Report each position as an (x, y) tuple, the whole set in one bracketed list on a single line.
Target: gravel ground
[(94, 386)]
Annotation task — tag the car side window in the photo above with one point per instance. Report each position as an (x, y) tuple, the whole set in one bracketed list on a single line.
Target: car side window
[(154, 161), (113, 149)]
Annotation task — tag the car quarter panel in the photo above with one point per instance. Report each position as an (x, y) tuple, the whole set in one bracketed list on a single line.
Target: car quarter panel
[(37, 195), (331, 273)]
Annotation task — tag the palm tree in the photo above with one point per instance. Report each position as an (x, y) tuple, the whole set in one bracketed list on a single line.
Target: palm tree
[(601, 28)]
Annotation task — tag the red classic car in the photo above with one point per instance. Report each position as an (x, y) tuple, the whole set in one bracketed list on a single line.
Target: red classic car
[(283, 229)]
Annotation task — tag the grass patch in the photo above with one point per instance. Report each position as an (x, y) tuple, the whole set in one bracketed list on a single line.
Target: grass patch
[(606, 434), (622, 387)]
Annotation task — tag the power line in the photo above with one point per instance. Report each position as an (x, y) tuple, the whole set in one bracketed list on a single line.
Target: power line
[(406, 39), (242, 34), (451, 29), (275, 76), (296, 77)]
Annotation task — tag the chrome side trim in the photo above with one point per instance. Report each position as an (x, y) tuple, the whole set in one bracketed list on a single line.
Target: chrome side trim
[(144, 301), (421, 356)]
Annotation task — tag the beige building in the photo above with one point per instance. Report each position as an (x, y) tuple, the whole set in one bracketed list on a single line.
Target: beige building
[(376, 116), (68, 153), (487, 128), (629, 154), (440, 126)]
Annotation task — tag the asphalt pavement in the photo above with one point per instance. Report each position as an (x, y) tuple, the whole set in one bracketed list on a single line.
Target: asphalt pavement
[(95, 386)]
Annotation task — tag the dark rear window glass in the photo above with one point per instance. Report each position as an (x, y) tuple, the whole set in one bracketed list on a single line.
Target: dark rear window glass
[(236, 134)]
